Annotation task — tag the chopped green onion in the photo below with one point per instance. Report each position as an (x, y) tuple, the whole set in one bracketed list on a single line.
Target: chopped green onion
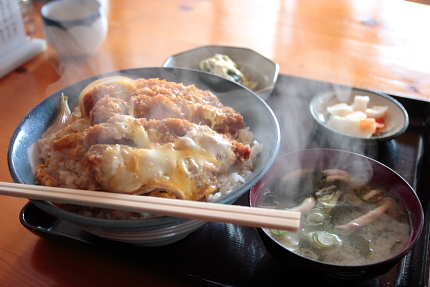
[(326, 195), (278, 232), (317, 216), (329, 204), (372, 196), (323, 239), (234, 75)]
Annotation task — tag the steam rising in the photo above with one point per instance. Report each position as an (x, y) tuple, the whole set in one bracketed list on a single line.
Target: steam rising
[(290, 100), (72, 70), (292, 96)]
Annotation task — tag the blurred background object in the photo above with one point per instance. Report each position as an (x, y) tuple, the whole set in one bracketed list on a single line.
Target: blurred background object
[(16, 48)]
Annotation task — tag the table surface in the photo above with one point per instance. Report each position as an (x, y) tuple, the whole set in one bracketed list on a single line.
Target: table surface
[(373, 44)]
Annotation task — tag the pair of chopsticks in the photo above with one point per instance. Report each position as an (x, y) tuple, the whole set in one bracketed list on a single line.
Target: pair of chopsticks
[(206, 211)]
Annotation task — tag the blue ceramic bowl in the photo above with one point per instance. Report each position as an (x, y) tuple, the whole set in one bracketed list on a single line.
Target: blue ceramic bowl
[(156, 231)]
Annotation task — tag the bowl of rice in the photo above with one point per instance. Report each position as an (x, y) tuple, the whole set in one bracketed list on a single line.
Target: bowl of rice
[(167, 132), (359, 218)]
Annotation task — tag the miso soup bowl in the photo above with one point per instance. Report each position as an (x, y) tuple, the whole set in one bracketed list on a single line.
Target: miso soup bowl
[(263, 194)]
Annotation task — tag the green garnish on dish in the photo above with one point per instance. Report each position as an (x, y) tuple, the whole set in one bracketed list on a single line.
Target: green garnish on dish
[(223, 66)]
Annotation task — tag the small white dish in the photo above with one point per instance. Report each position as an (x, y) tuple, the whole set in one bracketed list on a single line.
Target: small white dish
[(397, 119), (255, 66)]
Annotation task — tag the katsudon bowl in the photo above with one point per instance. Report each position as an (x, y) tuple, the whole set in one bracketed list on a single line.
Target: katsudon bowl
[(359, 217), (160, 230)]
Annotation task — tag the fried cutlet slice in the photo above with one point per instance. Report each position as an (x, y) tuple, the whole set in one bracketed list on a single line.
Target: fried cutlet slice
[(143, 133), (170, 157)]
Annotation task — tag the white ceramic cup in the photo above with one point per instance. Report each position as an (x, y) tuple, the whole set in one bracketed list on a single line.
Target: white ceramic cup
[(75, 28)]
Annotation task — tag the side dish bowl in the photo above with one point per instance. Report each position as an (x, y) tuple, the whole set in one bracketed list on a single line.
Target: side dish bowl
[(155, 231), (255, 66), (265, 193), (396, 120)]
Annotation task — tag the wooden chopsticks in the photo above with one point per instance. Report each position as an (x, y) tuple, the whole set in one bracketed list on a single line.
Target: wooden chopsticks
[(207, 211)]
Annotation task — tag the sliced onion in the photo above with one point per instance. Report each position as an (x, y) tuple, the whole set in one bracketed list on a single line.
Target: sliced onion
[(61, 119), (119, 80), (308, 254)]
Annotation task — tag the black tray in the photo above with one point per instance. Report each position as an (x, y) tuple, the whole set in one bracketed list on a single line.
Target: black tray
[(234, 255)]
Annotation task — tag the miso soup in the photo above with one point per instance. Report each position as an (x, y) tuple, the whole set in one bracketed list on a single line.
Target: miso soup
[(342, 222)]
